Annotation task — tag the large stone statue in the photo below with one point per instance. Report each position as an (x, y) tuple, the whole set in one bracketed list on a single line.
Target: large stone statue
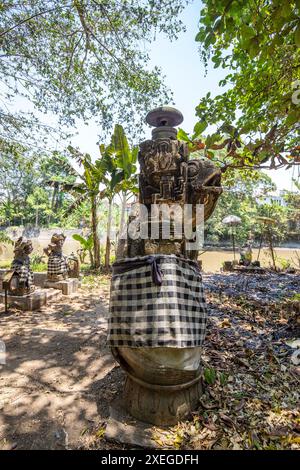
[(157, 308), (57, 261), (22, 281)]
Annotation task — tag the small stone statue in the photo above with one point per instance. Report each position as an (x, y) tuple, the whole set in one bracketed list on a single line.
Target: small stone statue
[(73, 266), (246, 254), (22, 281), (57, 262)]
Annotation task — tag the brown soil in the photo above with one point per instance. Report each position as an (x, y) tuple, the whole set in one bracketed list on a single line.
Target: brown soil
[(59, 376)]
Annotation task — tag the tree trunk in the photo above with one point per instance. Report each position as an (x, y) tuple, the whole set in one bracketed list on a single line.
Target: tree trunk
[(36, 217), (96, 261), (91, 257), (121, 239), (109, 220), (123, 208), (53, 198)]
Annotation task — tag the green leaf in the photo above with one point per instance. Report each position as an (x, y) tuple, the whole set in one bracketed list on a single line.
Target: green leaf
[(199, 128), (182, 135), (248, 32), (253, 48), (211, 139), (83, 242)]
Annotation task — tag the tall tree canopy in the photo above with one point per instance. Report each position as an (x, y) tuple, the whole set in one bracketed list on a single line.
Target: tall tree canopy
[(258, 115), (82, 58)]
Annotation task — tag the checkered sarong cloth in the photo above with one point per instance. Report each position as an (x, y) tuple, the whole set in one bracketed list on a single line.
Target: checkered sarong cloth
[(57, 264), (147, 313), (24, 272)]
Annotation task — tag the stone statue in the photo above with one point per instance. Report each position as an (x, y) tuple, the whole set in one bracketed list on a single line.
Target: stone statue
[(57, 261), (157, 308), (22, 282), (73, 266), (246, 254)]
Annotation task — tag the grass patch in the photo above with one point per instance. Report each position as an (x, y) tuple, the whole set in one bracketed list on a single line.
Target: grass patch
[(39, 267), (96, 280), (4, 264)]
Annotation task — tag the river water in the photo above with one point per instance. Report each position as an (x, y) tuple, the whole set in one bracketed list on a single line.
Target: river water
[(211, 260)]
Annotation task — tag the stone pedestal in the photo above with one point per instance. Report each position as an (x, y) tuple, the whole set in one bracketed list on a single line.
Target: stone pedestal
[(33, 301), (161, 405), (67, 287), (40, 279)]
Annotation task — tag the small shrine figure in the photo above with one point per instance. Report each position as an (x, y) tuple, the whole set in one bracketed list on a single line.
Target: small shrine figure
[(22, 282), (57, 261), (246, 254)]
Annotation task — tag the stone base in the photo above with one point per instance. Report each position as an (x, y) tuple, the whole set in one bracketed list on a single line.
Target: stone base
[(33, 301), (249, 269), (161, 405), (67, 287), (122, 428), (40, 279)]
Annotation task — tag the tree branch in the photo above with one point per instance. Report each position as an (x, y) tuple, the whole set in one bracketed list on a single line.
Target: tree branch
[(29, 19)]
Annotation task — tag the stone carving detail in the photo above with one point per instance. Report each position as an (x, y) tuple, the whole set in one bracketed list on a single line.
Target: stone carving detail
[(22, 282), (163, 170), (57, 261), (168, 177)]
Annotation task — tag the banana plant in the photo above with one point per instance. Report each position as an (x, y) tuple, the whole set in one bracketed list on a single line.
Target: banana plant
[(87, 245), (119, 161)]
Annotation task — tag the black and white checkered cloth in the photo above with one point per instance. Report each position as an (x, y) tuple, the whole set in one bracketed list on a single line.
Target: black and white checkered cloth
[(57, 264), (24, 272), (157, 301)]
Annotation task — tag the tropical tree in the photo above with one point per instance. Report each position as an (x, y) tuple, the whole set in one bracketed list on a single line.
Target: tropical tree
[(82, 59), (126, 160), (257, 117), (39, 201), (18, 175), (4, 240), (119, 161), (114, 176), (55, 175), (87, 186)]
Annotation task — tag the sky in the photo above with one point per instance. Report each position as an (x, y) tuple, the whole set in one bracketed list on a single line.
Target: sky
[(185, 75)]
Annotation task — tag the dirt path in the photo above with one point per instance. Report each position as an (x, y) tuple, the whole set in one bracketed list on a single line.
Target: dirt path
[(59, 376)]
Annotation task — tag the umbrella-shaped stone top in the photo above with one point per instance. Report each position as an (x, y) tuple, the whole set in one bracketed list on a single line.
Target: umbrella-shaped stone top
[(231, 220)]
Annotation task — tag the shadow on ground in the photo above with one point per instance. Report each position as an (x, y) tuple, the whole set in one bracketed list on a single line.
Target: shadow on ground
[(59, 376)]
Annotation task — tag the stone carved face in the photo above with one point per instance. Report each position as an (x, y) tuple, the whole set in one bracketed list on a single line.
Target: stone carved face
[(57, 241), (23, 247), (203, 175)]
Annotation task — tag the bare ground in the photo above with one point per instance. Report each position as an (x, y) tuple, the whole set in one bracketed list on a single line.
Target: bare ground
[(59, 376)]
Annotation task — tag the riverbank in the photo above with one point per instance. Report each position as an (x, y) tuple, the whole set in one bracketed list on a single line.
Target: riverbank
[(212, 259)]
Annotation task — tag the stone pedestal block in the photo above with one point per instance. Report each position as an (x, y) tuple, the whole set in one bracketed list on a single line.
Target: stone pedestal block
[(161, 405), (40, 279), (33, 301), (67, 287)]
